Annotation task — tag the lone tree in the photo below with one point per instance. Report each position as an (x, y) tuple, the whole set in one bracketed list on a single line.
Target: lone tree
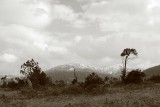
[(33, 74), (75, 80), (125, 54)]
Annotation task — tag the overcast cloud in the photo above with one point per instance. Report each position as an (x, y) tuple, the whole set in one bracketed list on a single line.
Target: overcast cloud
[(91, 32)]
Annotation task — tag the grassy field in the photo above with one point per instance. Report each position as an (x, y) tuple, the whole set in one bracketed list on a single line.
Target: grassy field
[(144, 95)]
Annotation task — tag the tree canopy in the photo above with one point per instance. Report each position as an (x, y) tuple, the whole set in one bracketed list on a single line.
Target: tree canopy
[(33, 72)]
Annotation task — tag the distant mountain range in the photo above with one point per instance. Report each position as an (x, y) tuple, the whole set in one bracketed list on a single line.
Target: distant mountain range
[(66, 73)]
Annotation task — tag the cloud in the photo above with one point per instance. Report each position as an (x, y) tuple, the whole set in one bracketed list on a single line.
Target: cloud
[(78, 38), (9, 58), (125, 15), (17, 12), (21, 35), (93, 32), (27, 43), (67, 14), (63, 12)]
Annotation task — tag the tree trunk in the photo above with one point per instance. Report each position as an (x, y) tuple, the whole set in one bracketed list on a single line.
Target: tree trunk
[(75, 76), (124, 70), (29, 83)]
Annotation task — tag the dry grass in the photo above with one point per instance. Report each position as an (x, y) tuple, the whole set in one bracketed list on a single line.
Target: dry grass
[(144, 95)]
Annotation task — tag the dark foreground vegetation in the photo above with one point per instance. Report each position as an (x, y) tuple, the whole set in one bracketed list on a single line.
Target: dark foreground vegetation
[(130, 95), (36, 89)]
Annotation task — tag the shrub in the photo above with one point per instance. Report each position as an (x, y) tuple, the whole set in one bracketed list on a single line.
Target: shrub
[(93, 80), (4, 85), (12, 85), (135, 76), (21, 82)]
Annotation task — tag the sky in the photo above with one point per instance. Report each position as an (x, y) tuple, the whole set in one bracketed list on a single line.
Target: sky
[(91, 32)]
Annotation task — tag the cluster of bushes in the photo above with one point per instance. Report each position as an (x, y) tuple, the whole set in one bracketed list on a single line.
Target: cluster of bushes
[(37, 80), (14, 83), (20, 83), (135, 76), (93, 79), (34, 77)]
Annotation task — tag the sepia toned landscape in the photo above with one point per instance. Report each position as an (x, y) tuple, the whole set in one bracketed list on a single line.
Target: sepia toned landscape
[(79, 53), (133, 88)]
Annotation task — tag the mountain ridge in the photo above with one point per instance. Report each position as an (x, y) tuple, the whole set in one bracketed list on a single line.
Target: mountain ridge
[(66, 72), (155, 70)]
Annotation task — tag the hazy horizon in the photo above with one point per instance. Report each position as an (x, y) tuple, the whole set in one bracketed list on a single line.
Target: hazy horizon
[(90, 32)]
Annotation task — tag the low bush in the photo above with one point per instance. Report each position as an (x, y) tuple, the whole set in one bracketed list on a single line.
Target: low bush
[(12, 85), (135, 76), (93, 80)]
